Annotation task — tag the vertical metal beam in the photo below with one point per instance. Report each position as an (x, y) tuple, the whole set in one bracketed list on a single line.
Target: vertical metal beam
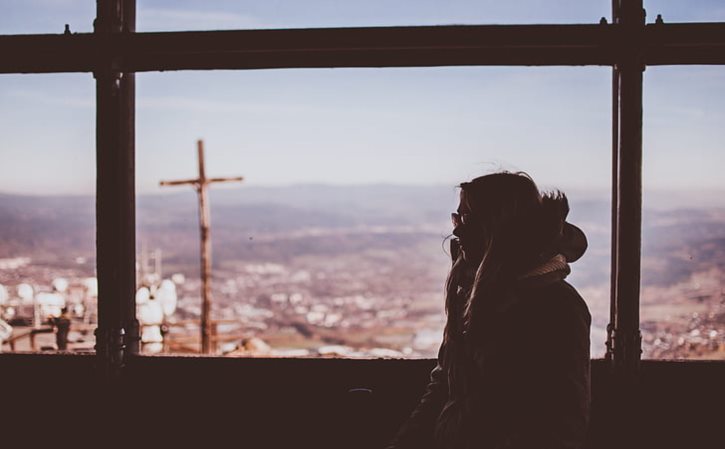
[(625, 337), (128, 149), (615, 201), (615, 204), (115, 196)]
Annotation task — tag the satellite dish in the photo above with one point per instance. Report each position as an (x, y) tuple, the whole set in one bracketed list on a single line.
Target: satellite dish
[(178, 278), (50, 299), (25, 292), (153, 348), (6, 330), (49, 304), (60, 285), (151, 334), (150, 313), (143, 295), (166, 295), (3, 294), (91, 285)]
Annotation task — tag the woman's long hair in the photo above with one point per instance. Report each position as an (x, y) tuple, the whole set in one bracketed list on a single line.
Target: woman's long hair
[(519, 228)]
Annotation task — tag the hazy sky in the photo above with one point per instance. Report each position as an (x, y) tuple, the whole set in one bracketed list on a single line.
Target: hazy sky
[(419, 126)]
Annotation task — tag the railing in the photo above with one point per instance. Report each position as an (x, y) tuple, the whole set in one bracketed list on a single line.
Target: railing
[(29, 333)]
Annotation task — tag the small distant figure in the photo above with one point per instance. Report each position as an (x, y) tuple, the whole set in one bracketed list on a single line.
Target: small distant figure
[(513, 369), (62, 328)]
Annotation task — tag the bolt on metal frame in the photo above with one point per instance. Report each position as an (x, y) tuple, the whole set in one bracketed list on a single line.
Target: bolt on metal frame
[(115, 51)]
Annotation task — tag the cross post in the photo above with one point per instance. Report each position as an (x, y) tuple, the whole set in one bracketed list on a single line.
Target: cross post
[(200, 185)]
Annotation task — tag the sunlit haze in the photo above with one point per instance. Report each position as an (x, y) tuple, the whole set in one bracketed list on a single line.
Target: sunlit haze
[(360, 126)]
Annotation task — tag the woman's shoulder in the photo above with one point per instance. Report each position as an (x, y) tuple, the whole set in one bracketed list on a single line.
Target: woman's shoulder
[(558, 299)]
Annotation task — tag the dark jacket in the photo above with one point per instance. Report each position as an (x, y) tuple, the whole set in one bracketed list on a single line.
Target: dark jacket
[(531, 379)]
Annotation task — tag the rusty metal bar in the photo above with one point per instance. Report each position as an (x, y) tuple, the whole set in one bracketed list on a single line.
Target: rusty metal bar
[(609, 355), (625, 337), (117, 332), (128, 155), (615, 203), (701, 43), (684, 43)]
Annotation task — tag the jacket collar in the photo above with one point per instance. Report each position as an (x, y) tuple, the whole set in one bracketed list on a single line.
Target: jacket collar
[(555, 269)]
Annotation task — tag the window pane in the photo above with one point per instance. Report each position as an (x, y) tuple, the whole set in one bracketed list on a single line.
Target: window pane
[(334, 242), (683, 252), (193, 15), (49, 16), (690, 11), (47, 236), (46, 16)]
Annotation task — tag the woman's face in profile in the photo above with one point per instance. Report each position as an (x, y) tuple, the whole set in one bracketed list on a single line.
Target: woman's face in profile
[(468, 227)]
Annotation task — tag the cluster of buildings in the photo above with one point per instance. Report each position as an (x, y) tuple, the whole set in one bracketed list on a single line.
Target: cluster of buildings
[(700, 336), (32, 296), (686, 320), (382, 306), (350, 308)]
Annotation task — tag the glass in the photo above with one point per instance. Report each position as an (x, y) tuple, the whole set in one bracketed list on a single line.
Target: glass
[(333, 246), (692, 11), (46, 16), (682, 307), (168, 16), (43, 16), (47, 213)]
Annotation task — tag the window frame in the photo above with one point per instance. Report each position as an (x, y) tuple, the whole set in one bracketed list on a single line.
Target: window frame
[(114, 52)]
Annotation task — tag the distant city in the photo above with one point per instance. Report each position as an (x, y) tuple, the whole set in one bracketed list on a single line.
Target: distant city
[(329, 271)]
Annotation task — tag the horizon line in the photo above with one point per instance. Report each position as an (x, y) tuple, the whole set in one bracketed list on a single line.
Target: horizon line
[(166, 192)]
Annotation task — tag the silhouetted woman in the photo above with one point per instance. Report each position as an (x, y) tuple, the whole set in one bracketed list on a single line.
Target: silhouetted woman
[(513, 369)]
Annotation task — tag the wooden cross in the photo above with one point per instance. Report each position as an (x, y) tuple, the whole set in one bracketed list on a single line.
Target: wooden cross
[(200, 184)]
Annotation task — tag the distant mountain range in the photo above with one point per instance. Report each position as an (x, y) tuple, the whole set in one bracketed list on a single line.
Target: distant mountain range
[(276, 223)]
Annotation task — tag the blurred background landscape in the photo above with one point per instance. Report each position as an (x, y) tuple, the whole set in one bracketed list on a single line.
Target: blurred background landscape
[(334, 244), (353, 271)]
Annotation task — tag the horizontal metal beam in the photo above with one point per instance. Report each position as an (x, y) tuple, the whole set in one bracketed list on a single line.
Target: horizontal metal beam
[(680, 44), (502, 45), (306, 48)]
